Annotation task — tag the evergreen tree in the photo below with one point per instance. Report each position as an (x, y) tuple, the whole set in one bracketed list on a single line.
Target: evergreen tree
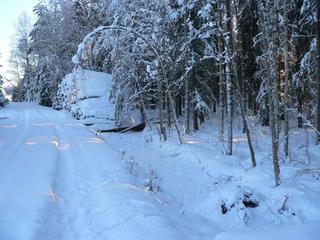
[(3, 100)]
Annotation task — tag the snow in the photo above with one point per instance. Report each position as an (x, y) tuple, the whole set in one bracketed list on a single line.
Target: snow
[(92, 84), (197, 178), (59, 180), (99, 108), (306, 231), (86, 94), (86, 84)]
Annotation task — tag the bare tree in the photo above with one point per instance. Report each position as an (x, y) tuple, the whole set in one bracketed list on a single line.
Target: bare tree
[(21, 60)]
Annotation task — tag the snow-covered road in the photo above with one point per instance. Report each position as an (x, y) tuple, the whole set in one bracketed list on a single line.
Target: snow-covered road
[(27, 166), (60, 181)]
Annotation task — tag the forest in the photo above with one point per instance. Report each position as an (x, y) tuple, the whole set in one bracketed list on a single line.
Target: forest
[(183, 58), (187, 66)]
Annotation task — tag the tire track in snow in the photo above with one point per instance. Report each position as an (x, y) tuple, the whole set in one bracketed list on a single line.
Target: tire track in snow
[(25, 173), (13, 150), (72, 212), (98, 198)]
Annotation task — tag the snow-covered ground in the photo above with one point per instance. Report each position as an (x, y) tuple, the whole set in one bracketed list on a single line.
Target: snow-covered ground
[(59, 180), (198, 179)]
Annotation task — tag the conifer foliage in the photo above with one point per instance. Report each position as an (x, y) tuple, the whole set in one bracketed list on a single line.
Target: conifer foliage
[(182, 60)]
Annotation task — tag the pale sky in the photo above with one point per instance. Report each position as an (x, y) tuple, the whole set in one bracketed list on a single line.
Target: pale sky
[(9, 13)]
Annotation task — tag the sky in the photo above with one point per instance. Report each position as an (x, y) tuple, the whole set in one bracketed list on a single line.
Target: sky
[(9, 13)]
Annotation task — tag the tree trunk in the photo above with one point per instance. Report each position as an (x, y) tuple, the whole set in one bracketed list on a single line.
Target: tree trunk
[(275, 143), (276, 95), (143, 111), (273, 89), (238, 73), (269, 20), (179, 105), (244, 120), (221, 83), (300, 103), (160, 106), (187, 106), (201, 117), (221, 92), (286, 82), (176, 124), (229, 80), (168, 112), (238, 67), (318, 71), (195, 119), (229, 109)]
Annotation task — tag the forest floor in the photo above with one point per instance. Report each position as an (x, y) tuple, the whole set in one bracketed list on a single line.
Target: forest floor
[(59, 180)]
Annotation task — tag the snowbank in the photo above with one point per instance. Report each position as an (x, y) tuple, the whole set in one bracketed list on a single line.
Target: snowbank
[(86, 95)]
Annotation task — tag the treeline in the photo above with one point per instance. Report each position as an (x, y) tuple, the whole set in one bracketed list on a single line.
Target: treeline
[(183, 59), (3, 100), (42, 53)]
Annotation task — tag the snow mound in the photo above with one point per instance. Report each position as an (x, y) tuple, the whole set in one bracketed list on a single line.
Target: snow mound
[(86, 94), (92, 84)]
